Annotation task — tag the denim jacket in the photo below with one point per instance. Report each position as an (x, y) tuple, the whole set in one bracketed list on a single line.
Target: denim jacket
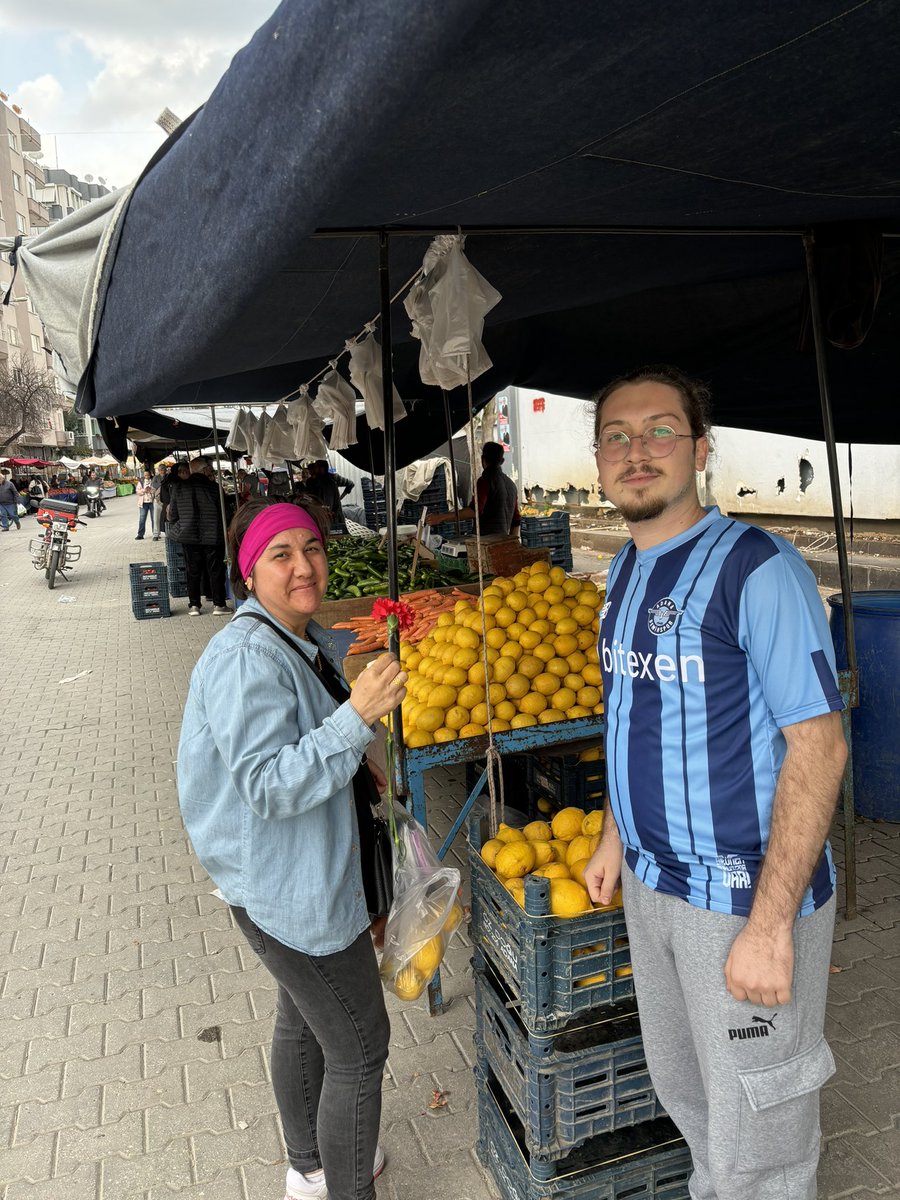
[(265, 764)]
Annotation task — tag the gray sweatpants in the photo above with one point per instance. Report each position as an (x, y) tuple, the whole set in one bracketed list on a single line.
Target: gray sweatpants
[(740, 1081)]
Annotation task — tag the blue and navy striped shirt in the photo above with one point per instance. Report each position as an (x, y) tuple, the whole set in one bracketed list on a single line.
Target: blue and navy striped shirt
[(709, 644)]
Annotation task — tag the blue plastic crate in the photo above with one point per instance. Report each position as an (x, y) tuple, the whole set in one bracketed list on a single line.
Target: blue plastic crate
[(545, 961), (644, 1161), (566, 1086), (147, 573), (566, 781), (546, 537), (552, 521), (178, 588)]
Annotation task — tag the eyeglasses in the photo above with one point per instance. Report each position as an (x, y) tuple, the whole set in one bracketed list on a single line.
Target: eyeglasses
[(659, 441)]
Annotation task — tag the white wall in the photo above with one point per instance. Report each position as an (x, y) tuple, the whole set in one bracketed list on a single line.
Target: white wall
[(767, 468), (552, 449)]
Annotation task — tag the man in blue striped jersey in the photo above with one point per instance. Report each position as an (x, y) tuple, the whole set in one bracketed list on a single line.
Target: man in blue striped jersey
[(724, 753)]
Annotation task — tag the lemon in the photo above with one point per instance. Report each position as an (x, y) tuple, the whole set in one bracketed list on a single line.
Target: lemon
[(543, 804), (445, 735), (418, 738), (490, 604), (497, 636), (567, 823), (444, 621), (558, 612), (442, 697), (472, 730), (545, 684), (538, 831), (427, 665), (430, 719), (593, 821), (503, 585), (512, 650), (554, 594), (503, 668), (590, 756), (507, 834), (455, 677), (515, 860), (454, 917), (577, 661), (529, 639), (553, 870), (574, 682), (529, 666), (558, 666), (586, 638), (589, 697), (538, 583), (576, 870), (427, 960), (544, 652), (505, 615), (515, 631), (517, 686), (516, 889), (543, 854), (549, 715), (579, 847), (559, 848), (533, 703), (413, 660), (465, 658), (490, 850), (505, 711), (582, 614), (592, 675), (466, 639), (566, 626), (562, 699), (599, 978), (470, 695), (498, 725), (523, 721), (568, 898), (409, 984), (479, 714), (517, 600)]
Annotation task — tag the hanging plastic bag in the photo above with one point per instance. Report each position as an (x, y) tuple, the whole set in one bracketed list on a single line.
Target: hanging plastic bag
[(336, 401), (365, 375), (279, 442), (306, 429), (240, 435), (424, 914)]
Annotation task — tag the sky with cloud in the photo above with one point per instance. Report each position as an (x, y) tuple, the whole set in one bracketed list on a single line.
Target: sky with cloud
[(92, 75)]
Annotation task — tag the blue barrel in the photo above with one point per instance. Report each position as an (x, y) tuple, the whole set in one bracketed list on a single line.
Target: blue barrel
[(876, 723)]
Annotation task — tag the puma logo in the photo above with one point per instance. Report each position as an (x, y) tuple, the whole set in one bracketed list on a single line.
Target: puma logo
[(760, 1028)]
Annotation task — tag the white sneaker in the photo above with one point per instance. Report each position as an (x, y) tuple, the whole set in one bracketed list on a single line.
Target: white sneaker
[(193, 611), (221, 610), (303, 1187)]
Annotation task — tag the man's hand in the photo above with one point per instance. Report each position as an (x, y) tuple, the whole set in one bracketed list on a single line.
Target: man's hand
[(378, 775), (604, 868), (760, 967), (435, 519)]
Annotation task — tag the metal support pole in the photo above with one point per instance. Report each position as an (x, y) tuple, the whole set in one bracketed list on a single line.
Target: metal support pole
[(452, 457), (390, 482), (219, 480), (852, 675)]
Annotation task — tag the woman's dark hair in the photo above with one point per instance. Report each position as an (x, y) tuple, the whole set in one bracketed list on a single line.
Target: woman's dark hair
[(695, 397), (240, 523)]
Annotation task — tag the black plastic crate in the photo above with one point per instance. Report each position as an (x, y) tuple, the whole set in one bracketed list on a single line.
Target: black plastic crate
[(566, 1086), (147, 609), (546, 537), (175, 560), (638, 1163), (178, 588), (555, 969), (565, 781), (552, 522), (147, 573)]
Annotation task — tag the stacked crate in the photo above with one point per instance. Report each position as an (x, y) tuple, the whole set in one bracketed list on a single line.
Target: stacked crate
[(374, 504), (552, 534), (558, 781), (177, 568), (566, 1107), (149, 590)]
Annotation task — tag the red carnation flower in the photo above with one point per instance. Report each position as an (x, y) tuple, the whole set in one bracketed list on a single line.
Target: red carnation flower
[(384, 608)]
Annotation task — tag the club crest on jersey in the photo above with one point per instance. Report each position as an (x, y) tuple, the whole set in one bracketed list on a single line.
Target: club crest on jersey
[(663, 616), (603, 611)]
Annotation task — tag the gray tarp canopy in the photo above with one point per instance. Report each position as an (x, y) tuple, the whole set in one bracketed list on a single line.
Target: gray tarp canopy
[(246, 255)]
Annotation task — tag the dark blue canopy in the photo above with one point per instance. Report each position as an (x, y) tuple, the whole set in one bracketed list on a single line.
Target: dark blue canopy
[(702, 138)]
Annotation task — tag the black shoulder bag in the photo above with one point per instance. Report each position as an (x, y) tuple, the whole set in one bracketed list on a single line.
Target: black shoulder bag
[(374, 837)]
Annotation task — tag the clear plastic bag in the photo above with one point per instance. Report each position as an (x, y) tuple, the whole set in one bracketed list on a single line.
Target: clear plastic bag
[(424, 914)]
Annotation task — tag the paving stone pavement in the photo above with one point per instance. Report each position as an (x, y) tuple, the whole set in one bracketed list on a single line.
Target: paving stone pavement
[(134, 1023)]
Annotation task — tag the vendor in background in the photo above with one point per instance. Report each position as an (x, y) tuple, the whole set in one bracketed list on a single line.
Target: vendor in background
[(329, 490), (498, 503)]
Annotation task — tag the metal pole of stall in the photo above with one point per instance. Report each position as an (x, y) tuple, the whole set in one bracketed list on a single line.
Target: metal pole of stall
[(849, 679), (452, 457), (219, 480), (390, 482)]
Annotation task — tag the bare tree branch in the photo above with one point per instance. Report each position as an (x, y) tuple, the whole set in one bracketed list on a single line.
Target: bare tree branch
[(27, 396)]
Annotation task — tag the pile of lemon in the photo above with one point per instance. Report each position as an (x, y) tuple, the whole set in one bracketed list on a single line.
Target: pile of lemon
[(538, 633), (558, 851)]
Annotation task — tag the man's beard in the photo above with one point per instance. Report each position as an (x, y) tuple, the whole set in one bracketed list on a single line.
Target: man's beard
[(646, 509)]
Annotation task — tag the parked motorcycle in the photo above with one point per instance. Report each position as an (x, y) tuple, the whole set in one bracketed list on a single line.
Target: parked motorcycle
[(54, 553), (94, 494)]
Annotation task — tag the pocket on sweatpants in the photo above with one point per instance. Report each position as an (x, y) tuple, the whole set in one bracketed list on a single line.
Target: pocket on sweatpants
[(779, 1114)]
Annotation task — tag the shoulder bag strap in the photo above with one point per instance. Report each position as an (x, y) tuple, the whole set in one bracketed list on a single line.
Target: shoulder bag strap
[(320, 667)]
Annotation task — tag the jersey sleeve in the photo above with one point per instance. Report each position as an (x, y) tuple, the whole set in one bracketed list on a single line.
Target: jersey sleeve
[(784, 632)]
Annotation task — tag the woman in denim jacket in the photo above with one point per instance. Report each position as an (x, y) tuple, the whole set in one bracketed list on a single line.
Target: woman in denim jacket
[(265, 769)]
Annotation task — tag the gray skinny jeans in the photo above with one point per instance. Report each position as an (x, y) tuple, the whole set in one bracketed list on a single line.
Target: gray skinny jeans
[(328, 1053)]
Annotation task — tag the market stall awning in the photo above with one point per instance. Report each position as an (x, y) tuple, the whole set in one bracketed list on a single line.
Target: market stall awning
[(702, 140)]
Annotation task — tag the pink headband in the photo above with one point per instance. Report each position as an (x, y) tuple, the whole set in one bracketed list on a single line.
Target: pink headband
[(271, 521)]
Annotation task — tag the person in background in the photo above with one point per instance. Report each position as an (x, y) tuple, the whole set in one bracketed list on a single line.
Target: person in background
[(158, 480), (495, 495), (268, 763), (724, 757), (242, 491), (177, 471), (54, 482), (146, 497), (328, 489), (9, 503), (195, 521), (37, 491), (94, 480)]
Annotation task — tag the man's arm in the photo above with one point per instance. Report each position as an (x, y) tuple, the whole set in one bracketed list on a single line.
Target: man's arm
[(604, 870), (760, 966), (464, 514)]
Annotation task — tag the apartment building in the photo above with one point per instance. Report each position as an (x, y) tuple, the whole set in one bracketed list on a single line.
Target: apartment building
[(23, 211)]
